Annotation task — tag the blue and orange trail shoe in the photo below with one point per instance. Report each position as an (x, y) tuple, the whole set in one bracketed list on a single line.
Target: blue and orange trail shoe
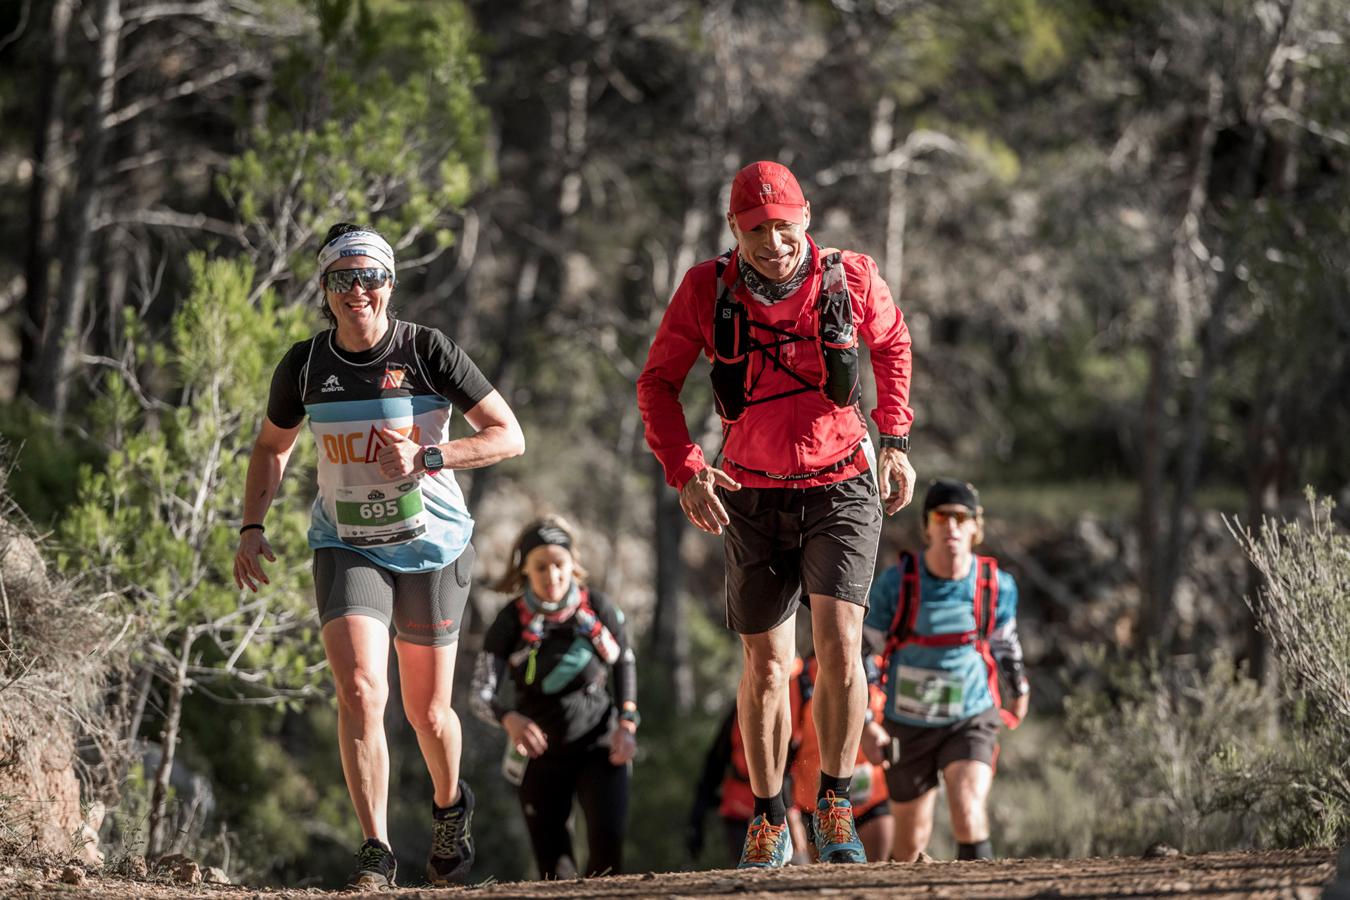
[(766, 846), (833, 831), (452, 841), (375, 867)]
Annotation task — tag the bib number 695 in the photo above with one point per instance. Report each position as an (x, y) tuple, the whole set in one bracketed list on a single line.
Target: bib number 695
[(379, 510)]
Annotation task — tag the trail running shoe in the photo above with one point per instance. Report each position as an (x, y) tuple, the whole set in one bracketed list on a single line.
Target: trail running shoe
[(833, 831), (375, 867), (452, 841), (766, 846)]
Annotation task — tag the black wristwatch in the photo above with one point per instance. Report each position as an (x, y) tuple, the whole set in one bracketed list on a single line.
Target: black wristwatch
[(895, 442), (432, 460)]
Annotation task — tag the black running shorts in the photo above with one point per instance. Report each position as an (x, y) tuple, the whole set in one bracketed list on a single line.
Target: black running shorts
[(926, 751), (425, 608), (785, 541)]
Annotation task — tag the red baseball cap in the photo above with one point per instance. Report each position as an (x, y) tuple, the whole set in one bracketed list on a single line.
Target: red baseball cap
[(766, 190)]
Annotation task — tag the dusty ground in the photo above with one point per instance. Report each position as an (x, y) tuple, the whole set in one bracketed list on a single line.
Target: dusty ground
[(1300, 874)]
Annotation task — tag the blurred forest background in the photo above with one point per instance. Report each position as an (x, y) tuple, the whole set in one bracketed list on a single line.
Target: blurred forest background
[(1117, 231)]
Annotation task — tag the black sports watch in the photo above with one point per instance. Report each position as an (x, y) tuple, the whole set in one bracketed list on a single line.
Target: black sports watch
[(895, 442), (432, 460)]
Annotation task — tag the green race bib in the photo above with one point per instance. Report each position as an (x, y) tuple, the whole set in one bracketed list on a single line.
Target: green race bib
[(376, 515), (930, 695)]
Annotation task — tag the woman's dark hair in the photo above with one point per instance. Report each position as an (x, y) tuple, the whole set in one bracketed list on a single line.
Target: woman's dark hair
[(333, 234), (342, 228)]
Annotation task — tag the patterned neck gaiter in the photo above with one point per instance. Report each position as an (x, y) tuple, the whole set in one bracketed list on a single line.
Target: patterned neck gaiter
[(552, 610), (767, 292)]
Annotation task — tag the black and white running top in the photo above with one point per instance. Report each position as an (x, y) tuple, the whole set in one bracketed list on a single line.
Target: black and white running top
[(408, 383)]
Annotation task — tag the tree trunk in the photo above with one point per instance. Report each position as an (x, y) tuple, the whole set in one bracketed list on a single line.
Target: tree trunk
[(43, 196), (1214, 340), (1170, 327), (61, 339), (502, 374), (155, 845), (669, 639)]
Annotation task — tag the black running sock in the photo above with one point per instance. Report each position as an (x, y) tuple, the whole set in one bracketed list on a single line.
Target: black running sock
[(773, 809), (840, 784), (981, 850)]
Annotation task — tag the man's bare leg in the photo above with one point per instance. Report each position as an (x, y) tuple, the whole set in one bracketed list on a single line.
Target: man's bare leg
[(840, 699), (968, 783), (913, 825), (762, 706)]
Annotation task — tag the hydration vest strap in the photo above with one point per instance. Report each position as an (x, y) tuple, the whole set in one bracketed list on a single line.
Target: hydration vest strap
[(906, 608), (734, 340), (950, 639), (600, 638), (986, 595), (986, 608), (729, 331)]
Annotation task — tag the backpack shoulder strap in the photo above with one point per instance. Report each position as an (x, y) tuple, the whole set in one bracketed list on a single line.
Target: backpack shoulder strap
[(720, 269), (907, 605), (729, 330), (834, 286), (986, 596)]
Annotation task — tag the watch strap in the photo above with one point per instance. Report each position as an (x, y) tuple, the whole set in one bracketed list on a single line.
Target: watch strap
[(895, 442)]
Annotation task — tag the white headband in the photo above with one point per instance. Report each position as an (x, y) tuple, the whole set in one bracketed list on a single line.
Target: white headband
[(357, 243)]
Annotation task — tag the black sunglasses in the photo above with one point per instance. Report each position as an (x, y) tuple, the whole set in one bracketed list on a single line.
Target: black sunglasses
[(340, 281)]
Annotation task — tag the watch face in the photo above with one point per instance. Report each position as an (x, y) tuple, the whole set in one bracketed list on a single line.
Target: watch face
[(432, 459)]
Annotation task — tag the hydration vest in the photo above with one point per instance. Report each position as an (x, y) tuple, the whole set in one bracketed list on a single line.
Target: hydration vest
[(532, 630), (902, 631), (736, 336)]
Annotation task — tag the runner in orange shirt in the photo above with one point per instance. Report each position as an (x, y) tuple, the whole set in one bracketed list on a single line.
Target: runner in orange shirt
[(871, 801)]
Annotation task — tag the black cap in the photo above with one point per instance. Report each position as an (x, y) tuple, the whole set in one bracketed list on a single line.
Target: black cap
[(943, 491)]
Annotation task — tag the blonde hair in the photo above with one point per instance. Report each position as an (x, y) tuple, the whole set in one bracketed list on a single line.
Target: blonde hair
[(512, 580)]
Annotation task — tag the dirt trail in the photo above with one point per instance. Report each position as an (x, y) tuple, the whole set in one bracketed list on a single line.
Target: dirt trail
[(1299, 874)]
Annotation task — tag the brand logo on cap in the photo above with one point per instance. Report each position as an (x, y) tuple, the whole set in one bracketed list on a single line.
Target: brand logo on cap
[(766, 188)]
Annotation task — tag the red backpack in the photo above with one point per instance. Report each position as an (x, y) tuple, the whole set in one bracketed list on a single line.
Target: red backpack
[(902, 631)]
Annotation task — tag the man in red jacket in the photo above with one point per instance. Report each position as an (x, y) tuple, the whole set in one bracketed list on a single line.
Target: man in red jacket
[(781, 319)]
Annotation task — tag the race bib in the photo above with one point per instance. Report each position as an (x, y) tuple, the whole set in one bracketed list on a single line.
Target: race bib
[(930, 695), (376, 515)]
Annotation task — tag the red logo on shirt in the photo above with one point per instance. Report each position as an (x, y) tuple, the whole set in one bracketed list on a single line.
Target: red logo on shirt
[(393, 379)]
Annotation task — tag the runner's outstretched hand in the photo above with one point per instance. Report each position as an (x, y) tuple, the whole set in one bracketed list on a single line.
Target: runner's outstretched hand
[(698, 499), (248, 570), (398, 457), (897, 479)]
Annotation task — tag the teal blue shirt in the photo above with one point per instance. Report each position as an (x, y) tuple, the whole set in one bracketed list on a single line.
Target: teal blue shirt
[(953, 680)]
